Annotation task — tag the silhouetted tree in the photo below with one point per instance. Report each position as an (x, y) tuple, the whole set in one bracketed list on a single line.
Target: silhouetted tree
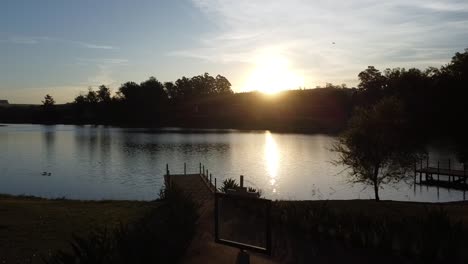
[(48, 109), (171, 90), (104, 94), (152, 92), (92, 96), (48, 101), (376, 146), (222, 85), (80, 99), (183, 88), (372, 84)]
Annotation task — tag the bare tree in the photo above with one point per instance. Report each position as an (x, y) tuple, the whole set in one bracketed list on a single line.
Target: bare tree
[(377, 146)]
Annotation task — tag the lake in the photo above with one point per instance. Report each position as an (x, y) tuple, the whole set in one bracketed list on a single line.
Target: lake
[(98, 162)]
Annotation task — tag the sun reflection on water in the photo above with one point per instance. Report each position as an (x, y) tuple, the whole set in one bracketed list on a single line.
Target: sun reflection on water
[(272, 157)]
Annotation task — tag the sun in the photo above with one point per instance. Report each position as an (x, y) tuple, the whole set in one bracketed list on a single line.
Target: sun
[(272, 74)]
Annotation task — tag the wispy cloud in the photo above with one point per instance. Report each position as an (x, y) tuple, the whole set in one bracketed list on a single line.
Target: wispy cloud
[(388, 33), (45, 39), (104, 70), (94, 46)]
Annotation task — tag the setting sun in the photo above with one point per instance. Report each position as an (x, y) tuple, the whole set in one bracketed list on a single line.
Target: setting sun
[(272, 74)]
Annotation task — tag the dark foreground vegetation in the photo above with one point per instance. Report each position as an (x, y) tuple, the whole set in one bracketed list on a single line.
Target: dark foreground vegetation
[(35, 230), (160, 236), (355, 231), (362, 231)]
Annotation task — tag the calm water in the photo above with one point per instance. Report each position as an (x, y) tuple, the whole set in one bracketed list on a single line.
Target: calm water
[(88, 162)]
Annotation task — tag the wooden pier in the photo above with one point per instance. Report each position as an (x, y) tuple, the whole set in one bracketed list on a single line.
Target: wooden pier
[(442, 176), (201, 186)]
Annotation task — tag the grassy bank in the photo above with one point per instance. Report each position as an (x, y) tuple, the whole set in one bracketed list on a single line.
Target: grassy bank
[(362, 231), (352, 231), (33, 227)]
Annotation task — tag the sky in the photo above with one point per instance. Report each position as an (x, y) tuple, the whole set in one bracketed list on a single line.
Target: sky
[(62, 47)]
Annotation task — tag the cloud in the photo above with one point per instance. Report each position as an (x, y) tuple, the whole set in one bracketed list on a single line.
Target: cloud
[(388, 33), (115, 61), (105, 68), (44, 39), (94, 46)]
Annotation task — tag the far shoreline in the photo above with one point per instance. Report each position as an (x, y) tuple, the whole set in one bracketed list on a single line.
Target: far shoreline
[(193, 129)]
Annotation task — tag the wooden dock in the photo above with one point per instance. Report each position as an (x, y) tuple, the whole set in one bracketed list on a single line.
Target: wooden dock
[(201, 186), (446, 177)]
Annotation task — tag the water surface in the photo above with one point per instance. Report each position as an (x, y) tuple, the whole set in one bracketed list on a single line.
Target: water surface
[(97, 162)]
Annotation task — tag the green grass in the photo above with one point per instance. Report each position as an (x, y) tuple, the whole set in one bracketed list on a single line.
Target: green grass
[(32, 227), (361, 231), (162, 235)]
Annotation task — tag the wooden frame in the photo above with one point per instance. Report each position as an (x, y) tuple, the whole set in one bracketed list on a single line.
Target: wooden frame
[(267, 203)]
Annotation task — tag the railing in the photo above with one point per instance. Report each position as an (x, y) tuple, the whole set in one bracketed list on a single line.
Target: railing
[(206, 176)]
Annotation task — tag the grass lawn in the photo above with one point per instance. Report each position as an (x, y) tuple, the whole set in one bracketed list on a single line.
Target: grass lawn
[(34, 227), (365, 231), (458, 211)]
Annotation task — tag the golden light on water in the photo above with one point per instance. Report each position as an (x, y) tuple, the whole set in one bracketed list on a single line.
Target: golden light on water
[(272, 74), (272, 158)]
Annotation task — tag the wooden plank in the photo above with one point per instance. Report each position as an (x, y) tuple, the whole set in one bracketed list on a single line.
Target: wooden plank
[(446, 172)]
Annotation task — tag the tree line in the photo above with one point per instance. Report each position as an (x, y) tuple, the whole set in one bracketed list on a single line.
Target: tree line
[(144, 103)]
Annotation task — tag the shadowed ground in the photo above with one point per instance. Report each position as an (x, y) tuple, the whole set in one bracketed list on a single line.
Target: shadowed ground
[(31, 227)]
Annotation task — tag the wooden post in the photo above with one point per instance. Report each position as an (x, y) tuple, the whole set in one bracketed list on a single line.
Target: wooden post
[(203, 169), (167, 169), (185, 168), (464, 173), (210, 179), (450, 176), (242, 181), (420, 174), (200, 168), (206, 175), (216, 187), (438, 170)]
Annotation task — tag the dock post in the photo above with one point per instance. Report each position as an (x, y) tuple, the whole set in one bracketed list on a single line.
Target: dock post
[(167, 169), (450, 177), (216, 187), (210, 179), (206, 175), (200, 168), (203, 169), (420, 173), (242, 181), (185, 168), (464, 173), (438, 170)]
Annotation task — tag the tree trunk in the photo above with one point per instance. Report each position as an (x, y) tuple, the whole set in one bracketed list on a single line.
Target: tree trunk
[(376, 183), (376, 190)]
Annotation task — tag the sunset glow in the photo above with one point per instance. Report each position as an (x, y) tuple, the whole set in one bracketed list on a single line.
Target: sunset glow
[(272, 74)]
